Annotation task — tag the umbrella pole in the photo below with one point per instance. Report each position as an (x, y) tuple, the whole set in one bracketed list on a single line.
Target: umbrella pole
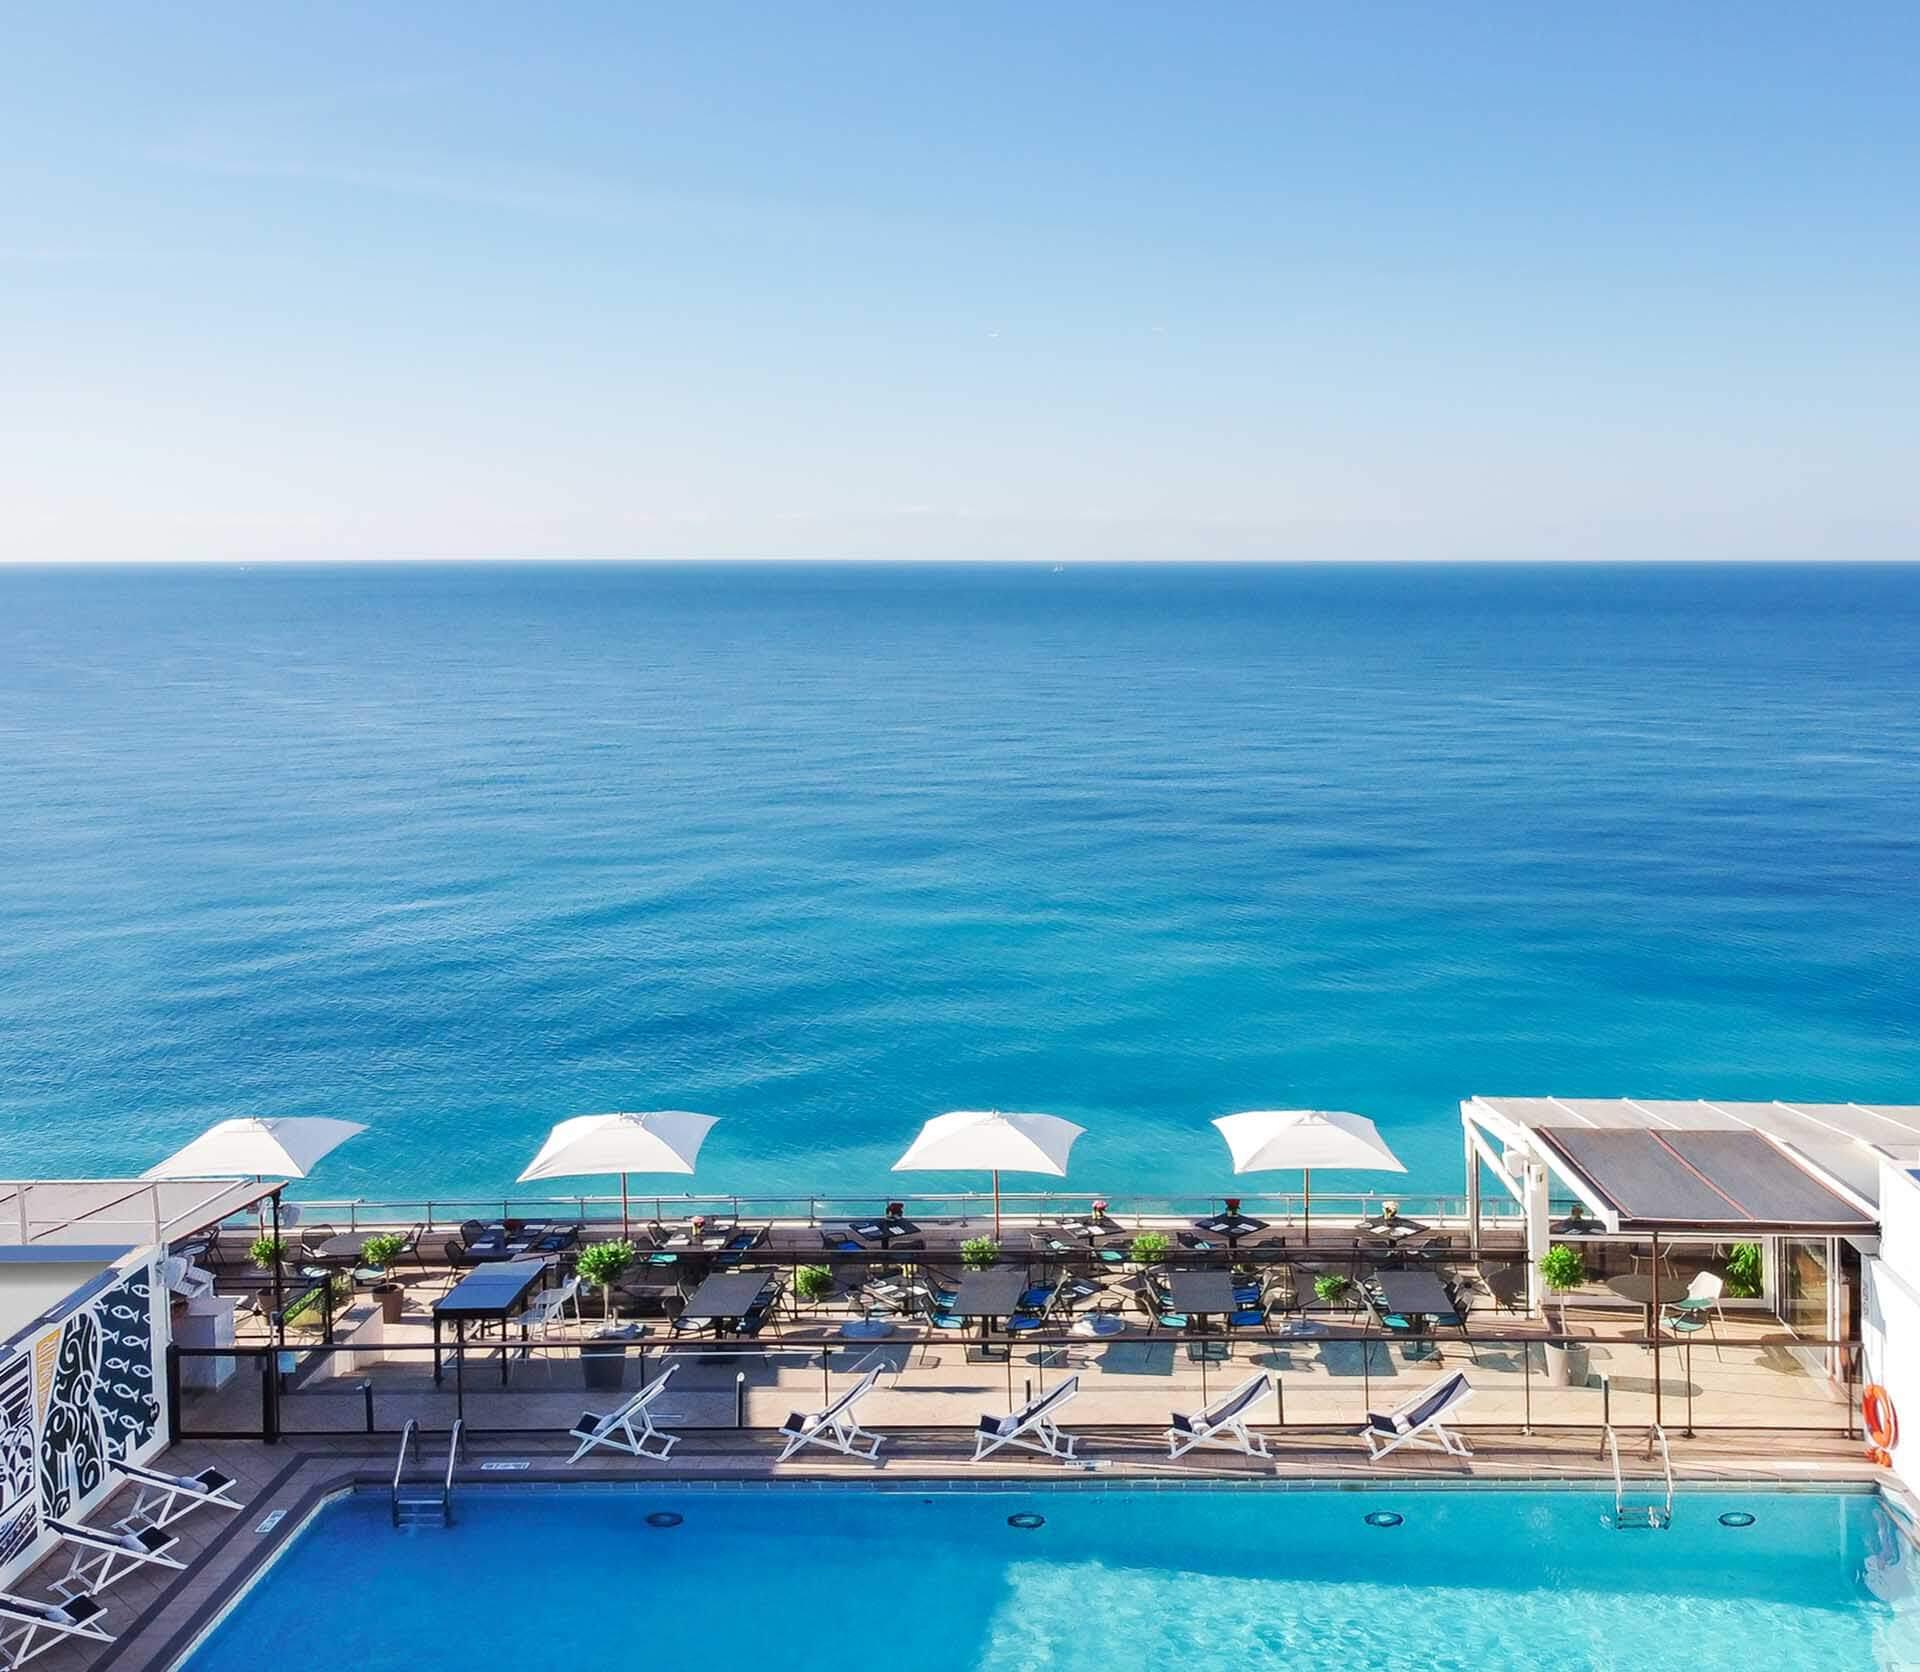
[(1306, 1207), (623, 1207), (996, 1204)]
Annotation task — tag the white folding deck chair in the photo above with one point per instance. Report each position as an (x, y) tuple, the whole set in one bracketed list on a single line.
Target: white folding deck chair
[(1222, 1424), (163, 1499), (836, 1428), (1420, 1421), (615, 1429), (29, 1627), (1031, 1428), (102, 1555), (184, 1278)]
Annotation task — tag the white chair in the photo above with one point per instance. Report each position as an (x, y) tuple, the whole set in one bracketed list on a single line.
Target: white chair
[(1420, 1421), (1698, 1309), (1031, 1428), (615, 1429), (836, 1428), (29, 1628), (544, 1319), (101, 1556), (183, 1277), (1222, 1424), (163, 1499)]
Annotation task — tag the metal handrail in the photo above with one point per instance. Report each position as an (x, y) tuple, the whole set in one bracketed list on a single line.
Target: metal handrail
[(1666, 1459), (409, 1438), (1619, 1486), (453, 1456), (362, 1212)]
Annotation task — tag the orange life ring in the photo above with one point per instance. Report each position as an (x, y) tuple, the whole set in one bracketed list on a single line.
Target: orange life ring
[(1876, 1411)]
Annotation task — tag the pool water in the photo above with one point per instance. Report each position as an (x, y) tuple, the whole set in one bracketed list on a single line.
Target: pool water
[(763, 1580)]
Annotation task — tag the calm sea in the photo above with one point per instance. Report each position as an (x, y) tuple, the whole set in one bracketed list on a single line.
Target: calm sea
[(459, 851)]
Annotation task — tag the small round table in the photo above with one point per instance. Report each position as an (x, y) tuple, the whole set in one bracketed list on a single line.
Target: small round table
[(1649, 1290)]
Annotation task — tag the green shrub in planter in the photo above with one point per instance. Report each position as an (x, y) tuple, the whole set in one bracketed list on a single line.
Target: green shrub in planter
[(1149, 1248), (267, 1252), (1746, 1276), (813, 1282), (977, 1253), (603, 1264), (1562, 1269), (1331, 1288), (382, 1251)]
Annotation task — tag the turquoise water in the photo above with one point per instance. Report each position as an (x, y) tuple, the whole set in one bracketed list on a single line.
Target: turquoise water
[(461, 851), (824, 1581)]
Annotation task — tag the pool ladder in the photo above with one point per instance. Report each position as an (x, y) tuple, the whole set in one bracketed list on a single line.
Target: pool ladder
[(1647, 1514), (433, 1507)]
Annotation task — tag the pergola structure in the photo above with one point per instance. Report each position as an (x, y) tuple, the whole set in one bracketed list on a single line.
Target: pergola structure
[(1687, 1170), (122, 1211)]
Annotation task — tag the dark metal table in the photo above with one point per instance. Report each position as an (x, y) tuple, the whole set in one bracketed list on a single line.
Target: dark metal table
[(492, 1294), (1232, 1226), (726, 1298), (1201, 1295), (884, 1229), (1413, 1294), (987, 1295), (344, 1249)]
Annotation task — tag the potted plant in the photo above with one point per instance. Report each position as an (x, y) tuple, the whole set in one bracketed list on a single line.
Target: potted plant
[(1389, 1211), (1563, 1270), (813, 1283), (978, 1253), (1745, 1274), (266, 1252), (603, 1264), (1149, 1248), (379, 1253), (1332, 1288), (603, 1355), (1233, 1204)]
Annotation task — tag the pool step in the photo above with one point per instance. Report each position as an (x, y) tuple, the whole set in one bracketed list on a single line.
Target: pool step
[(1643, 1517), (420, 1512)]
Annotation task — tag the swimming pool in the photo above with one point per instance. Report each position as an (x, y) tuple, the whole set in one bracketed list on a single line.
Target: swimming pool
[(845, 1578)]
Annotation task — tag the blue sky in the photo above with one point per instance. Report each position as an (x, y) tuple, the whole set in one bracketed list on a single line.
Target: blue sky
[(1003, 282)]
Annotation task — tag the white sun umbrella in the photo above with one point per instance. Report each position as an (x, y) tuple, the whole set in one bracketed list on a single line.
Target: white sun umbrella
[(657, 1141), (986, 1140), (1272, 1140), (275, 1147)]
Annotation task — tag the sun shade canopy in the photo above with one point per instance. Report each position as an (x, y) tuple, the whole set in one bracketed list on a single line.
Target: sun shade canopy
[(1738, 1181)]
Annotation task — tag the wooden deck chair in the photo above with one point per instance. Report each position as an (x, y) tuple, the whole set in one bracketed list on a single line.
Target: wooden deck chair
[(1420, 1421), (1222, 1424), (615, 1429), (835, 1427), (1031, 1428)]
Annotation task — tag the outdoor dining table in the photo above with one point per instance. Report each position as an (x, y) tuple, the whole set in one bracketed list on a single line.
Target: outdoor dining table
[(344, 1249), (1232, 1226), (491, 1294), (987, 1295), (1416, 1295), (1651, 1291), (884, 1229), (1201, 1295), (712, 1238), (725, 1298)]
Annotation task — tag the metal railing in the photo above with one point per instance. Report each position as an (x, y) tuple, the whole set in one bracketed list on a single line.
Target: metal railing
[(500, 1388), (409, 1439), (437, 1213)]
